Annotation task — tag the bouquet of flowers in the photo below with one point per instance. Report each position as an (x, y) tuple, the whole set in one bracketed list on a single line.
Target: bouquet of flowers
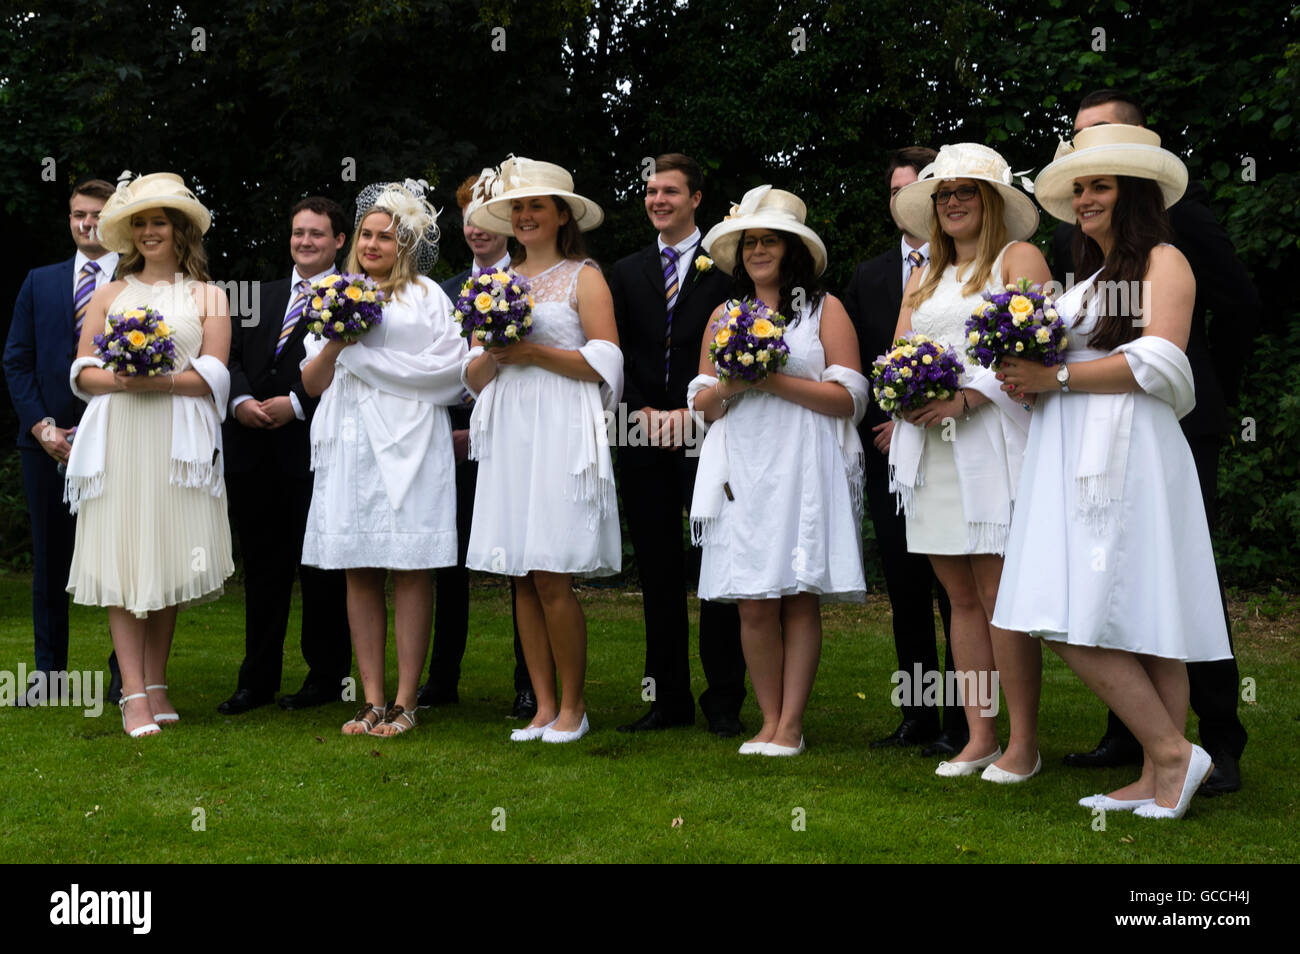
[(136, 342), (916, 371), (750, 343), (344, 307), (1018, 322), (495, 309)]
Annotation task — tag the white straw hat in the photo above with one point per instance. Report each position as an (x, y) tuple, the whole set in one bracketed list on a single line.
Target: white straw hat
[(1111, 149), (763, 208), (913, 207), (159, 190), (520, 178)]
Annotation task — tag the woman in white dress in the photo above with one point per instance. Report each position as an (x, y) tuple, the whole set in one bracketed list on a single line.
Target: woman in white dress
[(955, 463), (384, 493), (778, 495), (1111, 509), (145, 475), (544, 506)]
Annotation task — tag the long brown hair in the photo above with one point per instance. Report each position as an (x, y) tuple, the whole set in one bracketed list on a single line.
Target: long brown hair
[(187, 241), (943, 251), (404, 266), (1138, 224), (568, 237)]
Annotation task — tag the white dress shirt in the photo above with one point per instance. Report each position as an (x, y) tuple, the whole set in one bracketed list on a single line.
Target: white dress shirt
[(107, 265), (500, 265), (907, 264), (684, 249)]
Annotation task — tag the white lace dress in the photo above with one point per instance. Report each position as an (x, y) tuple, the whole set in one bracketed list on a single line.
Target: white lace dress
[(545, 494), (792, 526)]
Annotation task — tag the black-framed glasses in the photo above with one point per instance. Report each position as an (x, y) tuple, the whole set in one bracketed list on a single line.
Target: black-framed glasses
[(964, 193), (771, 240)]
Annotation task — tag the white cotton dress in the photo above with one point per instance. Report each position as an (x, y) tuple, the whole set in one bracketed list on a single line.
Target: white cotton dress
[(384, 493), (1145, 582), (145, 543), (938, 522), (794, 526), (536, 505)]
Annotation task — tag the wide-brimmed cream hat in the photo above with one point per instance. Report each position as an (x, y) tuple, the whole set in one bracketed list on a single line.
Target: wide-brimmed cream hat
[(913, 207), (1111, 149), (520, 178), (158, 190), (763, 208)]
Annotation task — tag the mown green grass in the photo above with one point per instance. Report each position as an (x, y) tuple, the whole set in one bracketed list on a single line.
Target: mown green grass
[(287, 787)]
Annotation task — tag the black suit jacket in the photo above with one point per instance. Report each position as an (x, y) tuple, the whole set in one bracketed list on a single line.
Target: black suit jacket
[(255, 369), (640, 309), (461, 412), (1217, 355), (873, 299)]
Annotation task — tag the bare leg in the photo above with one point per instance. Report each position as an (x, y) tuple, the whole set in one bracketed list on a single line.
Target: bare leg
[(801, 633), (412, 622), (1019, 661), (760, 638), (972, 651), (368, 620), (129, 641), (159, 627), (566, 629), (537, 650)]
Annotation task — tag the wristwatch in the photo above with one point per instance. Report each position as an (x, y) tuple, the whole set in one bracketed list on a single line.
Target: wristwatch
[(1063, 378)]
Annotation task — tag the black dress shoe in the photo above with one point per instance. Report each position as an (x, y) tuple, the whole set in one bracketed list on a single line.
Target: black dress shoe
[(1225, 778), (430, 695), (909, 732), (311, 694), (945, 744), (525, 706), (1109, 753), (726, 726), (243, 701), (654, 720)]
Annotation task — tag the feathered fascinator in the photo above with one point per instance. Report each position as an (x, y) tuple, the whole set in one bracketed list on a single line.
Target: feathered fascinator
[(415, 220)]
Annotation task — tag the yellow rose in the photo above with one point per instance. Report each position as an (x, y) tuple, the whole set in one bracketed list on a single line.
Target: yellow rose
[(318, 303), (339, 326), (368, 296), (734, 311), (326, 314), (483, 302), (162, 330), (136, 313), (746, 359), (927, 359), (722, 337), (704, 263), (1021, 306), (512, 331), (1043, 335), (904, 372), (330, 280), (764, 328), (973, 337), (353, 292), (890, 393), (908, 351), (136, 338), (762, 356), (1020, 346)]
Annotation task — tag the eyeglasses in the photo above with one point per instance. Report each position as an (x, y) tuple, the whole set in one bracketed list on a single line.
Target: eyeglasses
[(771, 240), (963, 193)]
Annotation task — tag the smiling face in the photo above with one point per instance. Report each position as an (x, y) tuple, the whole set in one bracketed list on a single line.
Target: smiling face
[(377, 245), (536, 220), (312, 243), (487, 247), (671, 205), (960, 218), (83, 217), (153, 235), (1094, 206), (762, 250)]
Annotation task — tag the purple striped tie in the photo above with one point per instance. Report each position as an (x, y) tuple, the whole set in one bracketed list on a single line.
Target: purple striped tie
[(670, 288), (291, 319), (81, 297)]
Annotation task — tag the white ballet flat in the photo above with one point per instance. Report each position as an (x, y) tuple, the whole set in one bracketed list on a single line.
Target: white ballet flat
[(771, 748), (1114, 804), (163, 717), (994, 774), (552, 735), (957, 769), (149, 728), (752, 748), (1198, 770), (530, 732)]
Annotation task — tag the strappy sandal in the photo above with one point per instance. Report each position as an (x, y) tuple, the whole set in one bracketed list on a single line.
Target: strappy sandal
[(398, 717), (163, 718), (367, 717), (139, 732)]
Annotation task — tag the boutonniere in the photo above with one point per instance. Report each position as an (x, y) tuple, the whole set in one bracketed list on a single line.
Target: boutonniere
[(703, 264)]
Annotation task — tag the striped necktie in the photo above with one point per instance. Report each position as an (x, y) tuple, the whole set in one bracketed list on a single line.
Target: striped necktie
[(917, 260), (291, 319), (81, 297), (670, 289)]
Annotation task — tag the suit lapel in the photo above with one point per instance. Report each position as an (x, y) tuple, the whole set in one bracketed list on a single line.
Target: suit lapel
[(692, 278), (653, 269), (277, 302), (66, 278)]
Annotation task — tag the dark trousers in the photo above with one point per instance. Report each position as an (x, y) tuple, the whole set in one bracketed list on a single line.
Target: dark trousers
[(656, 488), (1214, 685), (913, 588), (54, 531), (451, 608), (269, 513)]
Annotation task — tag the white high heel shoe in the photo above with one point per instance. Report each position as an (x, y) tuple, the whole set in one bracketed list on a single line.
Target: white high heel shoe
[(163, 718), (149, 728)]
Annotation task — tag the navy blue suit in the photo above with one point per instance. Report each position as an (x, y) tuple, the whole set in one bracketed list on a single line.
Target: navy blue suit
[(38, 354)]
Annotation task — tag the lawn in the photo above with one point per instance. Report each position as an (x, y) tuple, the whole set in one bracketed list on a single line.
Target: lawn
[(272, 786)]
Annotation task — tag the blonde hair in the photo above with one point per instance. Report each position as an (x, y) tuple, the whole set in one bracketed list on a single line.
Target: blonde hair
[(943, 251), (404, 266), (187, 241)]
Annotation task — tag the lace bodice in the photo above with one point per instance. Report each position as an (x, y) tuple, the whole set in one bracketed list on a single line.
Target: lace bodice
[(555, 306), (943, 315)]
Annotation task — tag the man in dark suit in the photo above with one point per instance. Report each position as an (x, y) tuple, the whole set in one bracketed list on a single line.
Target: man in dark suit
[(38, 354), (268, 474), (1217, 357), (663, 298), (451, 607), (873, 299)]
